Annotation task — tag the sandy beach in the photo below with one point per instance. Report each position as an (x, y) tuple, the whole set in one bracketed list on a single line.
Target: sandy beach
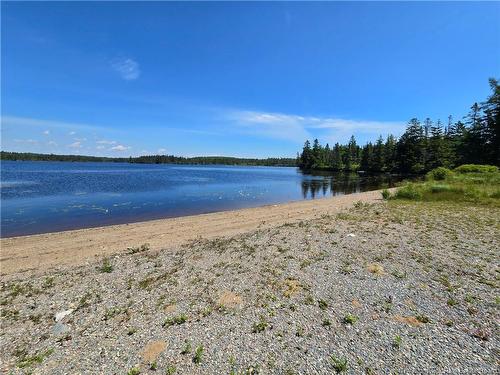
[(38, 253), (317, 287)]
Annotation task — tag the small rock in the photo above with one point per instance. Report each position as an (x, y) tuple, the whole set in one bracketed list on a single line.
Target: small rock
[(351, 235), (62, 314)]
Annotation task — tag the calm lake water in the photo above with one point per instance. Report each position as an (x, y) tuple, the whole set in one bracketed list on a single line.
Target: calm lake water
[(39, 197)]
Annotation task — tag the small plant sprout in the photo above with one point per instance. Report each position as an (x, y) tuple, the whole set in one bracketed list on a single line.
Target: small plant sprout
[(350, 319), (396, 343), (339, 364), (106, 267), (198, 354), (323, 305)]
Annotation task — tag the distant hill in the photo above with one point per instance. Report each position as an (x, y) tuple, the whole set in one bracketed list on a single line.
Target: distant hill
[(151, 159)]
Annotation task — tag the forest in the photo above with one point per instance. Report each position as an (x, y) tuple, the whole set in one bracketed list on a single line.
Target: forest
[(424, 145), (151, 159)]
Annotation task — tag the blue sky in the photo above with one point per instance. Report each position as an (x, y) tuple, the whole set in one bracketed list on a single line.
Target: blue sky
[(241, 79)]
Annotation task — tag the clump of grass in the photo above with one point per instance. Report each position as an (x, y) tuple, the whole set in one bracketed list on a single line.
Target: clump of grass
[(323, 305), (187, 348), (198, 354), (171, 369), (176, 320), (386, 194), (326, 323), (140, 249), (396, 343), (260, 326), (28, 361), (106, 266), (134, 371), (350, 319), (339, 364), (423, 318)]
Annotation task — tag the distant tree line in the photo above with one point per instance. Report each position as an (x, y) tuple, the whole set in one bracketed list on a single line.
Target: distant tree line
[(151, 159), (422, 147)]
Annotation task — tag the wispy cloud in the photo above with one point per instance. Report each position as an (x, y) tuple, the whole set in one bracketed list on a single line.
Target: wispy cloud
[(298, 128), (162, 150), (119, 148), (29, 141), (46, 132), (28, 121), (105, 142), (52, 143), (75, 145), (127, 68)]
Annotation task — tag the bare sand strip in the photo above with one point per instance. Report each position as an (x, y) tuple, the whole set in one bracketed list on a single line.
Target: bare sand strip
[(38, 253)]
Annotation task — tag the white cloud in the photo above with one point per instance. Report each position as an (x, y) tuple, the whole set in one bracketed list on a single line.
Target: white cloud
[(127, 68), (30, 141), (298, 128), (51, 143), (46, 132), (119, 148), (162, 150), (75, 145), (105, 142), (72, 133), (100, 147), (80, 139)]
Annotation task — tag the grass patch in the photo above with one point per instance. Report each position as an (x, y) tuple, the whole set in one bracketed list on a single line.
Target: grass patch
[(479, 184), (176, 320), (29, 361)]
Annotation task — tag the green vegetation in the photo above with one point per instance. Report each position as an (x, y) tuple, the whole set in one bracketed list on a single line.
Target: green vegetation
[(350, 319), (422, 148), (339, 364), (260, 326), (176, 320), (198, 354), (151, 159), (469, 183), (106, 267), (134, 371), (28, 361)]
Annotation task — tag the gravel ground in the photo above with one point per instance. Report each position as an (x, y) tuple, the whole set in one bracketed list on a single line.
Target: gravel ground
[(406, 288)]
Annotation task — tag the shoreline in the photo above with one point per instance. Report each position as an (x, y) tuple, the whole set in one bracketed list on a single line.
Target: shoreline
[(41, 252)]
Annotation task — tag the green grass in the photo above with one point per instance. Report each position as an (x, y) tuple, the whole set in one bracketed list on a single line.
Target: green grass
[(176, 320), (28, 361), (477, 184)]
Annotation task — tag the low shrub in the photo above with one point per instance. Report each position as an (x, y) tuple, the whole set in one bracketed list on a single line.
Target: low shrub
[(439, 174), (409, 191), (476, 168)]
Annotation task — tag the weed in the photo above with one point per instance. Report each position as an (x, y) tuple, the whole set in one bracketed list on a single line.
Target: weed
[(106, 266), (176, 320), (187, 348), (260, 326), (26, 361), (326, 323), (396, 343), (339, 364), (350, 319), (386, 194), (134, 371), (198, 354), (323, 305), (171, 369), (423, 318), (140, 249)]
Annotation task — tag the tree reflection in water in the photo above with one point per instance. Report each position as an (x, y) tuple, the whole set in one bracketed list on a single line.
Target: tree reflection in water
[(324, 184)]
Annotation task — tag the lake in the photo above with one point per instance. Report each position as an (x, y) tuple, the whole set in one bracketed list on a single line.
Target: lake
[(40, 197)]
